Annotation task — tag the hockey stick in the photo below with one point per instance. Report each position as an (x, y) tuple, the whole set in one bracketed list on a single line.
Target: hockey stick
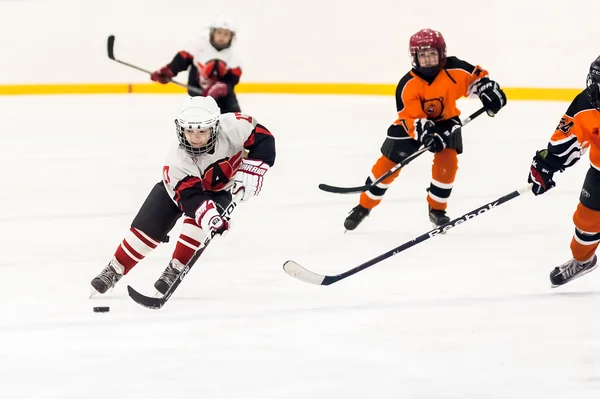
[(111, 54), (366, 187), (295, 270), (157, 303)]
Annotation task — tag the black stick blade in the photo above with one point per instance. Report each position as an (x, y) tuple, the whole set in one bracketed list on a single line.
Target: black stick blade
[(110, 47), (344, 190), (146, 301)]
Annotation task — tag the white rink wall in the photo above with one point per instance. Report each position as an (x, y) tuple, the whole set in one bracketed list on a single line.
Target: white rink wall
[(533, 43)]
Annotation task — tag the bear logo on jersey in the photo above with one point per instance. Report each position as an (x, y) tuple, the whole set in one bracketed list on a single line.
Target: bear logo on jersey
[(434, 108)]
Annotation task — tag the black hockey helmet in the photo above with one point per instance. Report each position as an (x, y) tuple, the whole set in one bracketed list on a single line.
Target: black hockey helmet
[(593, 79)]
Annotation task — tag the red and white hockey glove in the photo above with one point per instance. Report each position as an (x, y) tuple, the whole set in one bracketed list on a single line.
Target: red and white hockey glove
[(250, 177), (163, 75), (210, 220), (218, 90)]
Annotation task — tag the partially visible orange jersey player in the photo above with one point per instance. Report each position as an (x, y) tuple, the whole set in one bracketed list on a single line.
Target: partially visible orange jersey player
[(427, 115), (577, 131)]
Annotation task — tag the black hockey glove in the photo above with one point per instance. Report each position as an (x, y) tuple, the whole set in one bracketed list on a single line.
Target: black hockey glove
[(426, 134), (491, 95), (542, 170)]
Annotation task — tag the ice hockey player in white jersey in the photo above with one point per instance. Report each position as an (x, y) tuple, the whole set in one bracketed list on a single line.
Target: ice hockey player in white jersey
[(213, 64), (198, 179)]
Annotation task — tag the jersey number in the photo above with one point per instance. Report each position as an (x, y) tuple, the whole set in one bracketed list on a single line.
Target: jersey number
[(563, 126), (166, 177)]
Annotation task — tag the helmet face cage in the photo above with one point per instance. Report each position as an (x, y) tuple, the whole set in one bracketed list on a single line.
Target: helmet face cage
[(593, 92), (217, 46), (222, 22), (181, 125), (427, 39), (592, 81)]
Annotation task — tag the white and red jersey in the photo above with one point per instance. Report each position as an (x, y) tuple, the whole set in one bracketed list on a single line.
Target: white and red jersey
[(195, 56), (202, 51), (185, 176)]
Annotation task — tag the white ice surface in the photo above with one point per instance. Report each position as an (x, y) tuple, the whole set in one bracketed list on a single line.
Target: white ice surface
[(466, 315)]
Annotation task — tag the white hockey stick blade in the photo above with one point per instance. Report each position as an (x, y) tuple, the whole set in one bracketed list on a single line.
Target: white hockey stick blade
[(297, 271)]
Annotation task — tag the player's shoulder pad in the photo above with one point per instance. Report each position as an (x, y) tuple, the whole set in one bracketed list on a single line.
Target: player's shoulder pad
[(579, 104), (456, 63), (175, 161), (237, 126), (238, 119), (403, 83), (404, 80), (197, 44), (203, 38), (174, 155)]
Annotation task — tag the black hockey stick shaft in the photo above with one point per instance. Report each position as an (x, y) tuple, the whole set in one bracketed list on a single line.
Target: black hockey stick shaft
[(406, 161), (303, 274), (157, 303), (366, 187), (110, 44)]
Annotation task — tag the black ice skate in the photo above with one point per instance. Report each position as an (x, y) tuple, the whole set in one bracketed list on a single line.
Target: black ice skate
[(169, 276), (356, 216), (571, 270), (108, 277), (438, 217)]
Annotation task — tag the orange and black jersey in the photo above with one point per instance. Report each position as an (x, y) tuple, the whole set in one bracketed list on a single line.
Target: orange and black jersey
[(419, 97), (577, 131)]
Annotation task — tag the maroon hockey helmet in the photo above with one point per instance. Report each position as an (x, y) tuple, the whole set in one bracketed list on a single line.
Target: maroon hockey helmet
[(593, 79), (425, 39)]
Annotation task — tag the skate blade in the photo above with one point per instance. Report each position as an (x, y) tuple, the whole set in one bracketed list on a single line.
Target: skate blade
[(94, 293)]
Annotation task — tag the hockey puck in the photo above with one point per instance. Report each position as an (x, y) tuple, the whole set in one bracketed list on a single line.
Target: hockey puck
[(101, 309)]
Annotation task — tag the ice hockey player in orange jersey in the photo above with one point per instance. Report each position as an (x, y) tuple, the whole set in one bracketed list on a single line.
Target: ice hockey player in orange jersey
[(577, 131), (427, 115)]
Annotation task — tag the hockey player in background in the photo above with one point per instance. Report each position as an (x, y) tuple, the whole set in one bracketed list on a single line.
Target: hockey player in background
[(577, 131), (198, 179), (213, 65), (427, 115)]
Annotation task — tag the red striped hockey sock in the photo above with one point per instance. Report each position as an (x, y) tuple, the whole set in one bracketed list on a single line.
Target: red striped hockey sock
[(134, 247)]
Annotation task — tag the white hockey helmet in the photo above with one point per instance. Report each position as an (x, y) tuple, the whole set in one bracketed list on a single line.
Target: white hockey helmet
[(222, 22), (198, 113)]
